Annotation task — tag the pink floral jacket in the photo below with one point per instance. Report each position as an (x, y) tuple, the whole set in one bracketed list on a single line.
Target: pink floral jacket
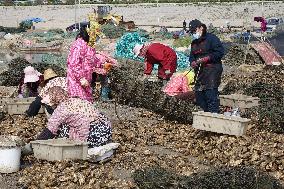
[(80, 64), (78, 114), (102, 59)]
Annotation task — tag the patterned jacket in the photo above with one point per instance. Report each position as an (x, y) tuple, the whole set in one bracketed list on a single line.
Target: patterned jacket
[(80, 64), (78, 114), (54, 82)]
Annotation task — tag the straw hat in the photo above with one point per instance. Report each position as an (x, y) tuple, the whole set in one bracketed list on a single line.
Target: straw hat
[(48, 74), (137, 48), (31, 75)]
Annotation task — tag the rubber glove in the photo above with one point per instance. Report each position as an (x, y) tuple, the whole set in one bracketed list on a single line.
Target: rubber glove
[(204, 60), (84, 82), (46, 100), (107, 66), (194, 64)]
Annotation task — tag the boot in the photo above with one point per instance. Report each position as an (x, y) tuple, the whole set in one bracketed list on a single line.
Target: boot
[(105, 94)]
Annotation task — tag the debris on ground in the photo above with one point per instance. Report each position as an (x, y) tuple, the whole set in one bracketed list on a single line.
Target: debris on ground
[(25, 128), (267, 85), (239, 54), (147, 140), (217, 178), (128, 88)]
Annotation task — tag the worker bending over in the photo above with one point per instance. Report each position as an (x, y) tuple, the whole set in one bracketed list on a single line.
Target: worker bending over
[(156, 53)]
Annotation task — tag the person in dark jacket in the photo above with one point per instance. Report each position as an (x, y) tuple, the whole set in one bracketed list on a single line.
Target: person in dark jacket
[(205, 57), (156, 53)]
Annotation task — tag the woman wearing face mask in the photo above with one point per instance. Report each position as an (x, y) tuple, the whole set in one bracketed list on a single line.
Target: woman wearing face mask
[(205, 57)]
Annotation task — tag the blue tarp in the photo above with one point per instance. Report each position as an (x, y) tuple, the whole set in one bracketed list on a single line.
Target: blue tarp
[(36, 20)]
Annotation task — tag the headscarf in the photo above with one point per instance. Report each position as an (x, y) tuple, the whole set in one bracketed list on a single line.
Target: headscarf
[(57, 95)]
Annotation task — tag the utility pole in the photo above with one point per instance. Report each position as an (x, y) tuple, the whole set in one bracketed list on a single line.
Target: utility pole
[(75, 4), (79, 15), (262, 14), (158, 17), (245, 23)]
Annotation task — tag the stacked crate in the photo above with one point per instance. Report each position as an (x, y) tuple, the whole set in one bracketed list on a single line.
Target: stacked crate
[(219, 123)]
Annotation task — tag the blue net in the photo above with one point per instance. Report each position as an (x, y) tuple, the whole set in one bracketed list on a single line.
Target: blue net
[(126, 43)]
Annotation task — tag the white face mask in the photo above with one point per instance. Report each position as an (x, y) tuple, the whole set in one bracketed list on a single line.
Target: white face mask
[(196, 35), (46, 100)]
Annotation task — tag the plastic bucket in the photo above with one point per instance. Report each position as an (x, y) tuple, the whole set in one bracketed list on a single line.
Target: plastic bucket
[(10, 159)]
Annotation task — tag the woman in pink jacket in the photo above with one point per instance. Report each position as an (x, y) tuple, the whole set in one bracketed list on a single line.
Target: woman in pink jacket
[(80, 65)]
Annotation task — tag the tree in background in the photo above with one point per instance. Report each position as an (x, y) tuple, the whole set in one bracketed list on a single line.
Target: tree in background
[(70, 2), (38, 2), (8, 3)]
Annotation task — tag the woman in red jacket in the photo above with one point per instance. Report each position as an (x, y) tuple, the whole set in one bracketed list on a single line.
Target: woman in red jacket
[(156, 53)]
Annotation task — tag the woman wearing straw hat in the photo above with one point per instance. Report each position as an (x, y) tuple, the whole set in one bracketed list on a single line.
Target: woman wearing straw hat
[(51, 79), (29, 83)]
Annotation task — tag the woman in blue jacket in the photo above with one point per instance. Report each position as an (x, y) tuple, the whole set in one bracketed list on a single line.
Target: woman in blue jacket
[(205, 57)]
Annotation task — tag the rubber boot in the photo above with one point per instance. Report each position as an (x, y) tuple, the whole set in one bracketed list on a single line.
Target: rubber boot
[(105, 94)]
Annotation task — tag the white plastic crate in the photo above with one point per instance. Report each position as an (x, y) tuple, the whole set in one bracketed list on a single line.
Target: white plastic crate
[(220, 123), (6, 93), (20, 105), (59, 149), (239, 100)]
